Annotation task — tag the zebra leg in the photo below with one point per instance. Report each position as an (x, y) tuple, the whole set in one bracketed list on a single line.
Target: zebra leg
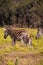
[(22, 41), (30, 42), (13, 41)]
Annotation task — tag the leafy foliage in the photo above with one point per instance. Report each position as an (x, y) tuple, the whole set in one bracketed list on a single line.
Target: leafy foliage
[(15, 11)]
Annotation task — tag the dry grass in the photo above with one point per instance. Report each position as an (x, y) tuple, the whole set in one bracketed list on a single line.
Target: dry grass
[(20, 54)]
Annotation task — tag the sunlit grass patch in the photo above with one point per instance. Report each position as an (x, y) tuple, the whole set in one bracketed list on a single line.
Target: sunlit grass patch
[(37, 44), (10, 62), (40, 62)]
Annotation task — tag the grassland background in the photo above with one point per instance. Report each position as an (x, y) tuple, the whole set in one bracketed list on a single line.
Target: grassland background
[(6, 48)]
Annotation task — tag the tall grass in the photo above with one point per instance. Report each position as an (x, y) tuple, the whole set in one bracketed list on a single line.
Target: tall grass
[(36, 48)]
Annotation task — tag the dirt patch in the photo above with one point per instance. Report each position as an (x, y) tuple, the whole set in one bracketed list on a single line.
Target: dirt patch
[(16, 57), (22, 58)]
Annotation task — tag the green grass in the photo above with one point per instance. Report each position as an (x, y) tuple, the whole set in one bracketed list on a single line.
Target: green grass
[(37, 44), (7, 48), (10, 62)]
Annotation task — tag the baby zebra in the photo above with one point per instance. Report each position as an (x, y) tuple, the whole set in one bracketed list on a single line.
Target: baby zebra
[(15, 34), (28, 40)]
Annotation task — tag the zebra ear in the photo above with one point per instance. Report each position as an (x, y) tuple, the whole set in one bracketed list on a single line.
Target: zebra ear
[(4, 29)]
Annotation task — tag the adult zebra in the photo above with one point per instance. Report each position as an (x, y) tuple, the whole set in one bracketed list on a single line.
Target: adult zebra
[(15, 34)]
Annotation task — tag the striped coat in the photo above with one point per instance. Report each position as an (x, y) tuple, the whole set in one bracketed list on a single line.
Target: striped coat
[(16, 34)]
